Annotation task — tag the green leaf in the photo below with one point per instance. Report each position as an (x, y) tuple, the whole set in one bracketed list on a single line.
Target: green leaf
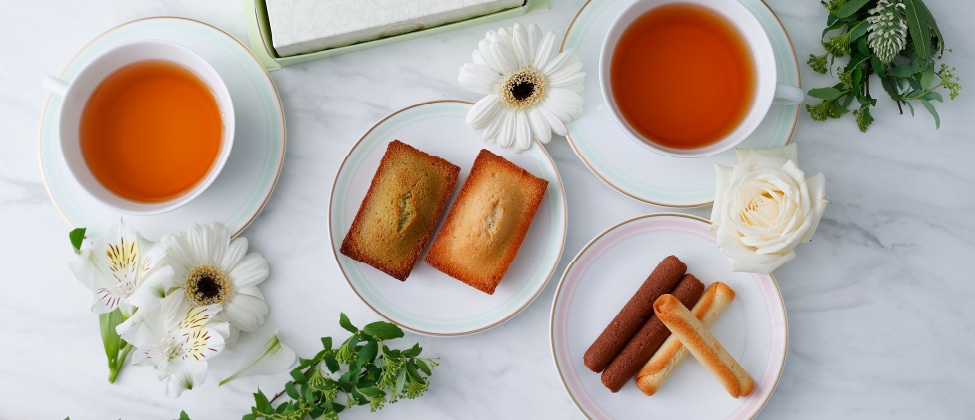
[(925, 13), (346, 324), (826, 94), (299, 377), (933, 96), (331, 363), (413, 351), (423, 366), (113, 343), (927, 77), (850, 7), (183, 415), (919, 29), (77, 237), (262, 404), (934, 113), (383, 330), (367, 353), (327, 343), (901, 72), (859, 31), (292, 392), (832, 27), (400, 382)]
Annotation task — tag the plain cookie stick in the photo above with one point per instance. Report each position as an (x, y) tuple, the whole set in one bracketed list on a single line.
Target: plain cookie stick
[(702, 344), (671, 353)]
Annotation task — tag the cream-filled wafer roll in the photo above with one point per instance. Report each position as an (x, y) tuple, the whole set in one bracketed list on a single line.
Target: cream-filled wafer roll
[(703, 345), (671, 353)]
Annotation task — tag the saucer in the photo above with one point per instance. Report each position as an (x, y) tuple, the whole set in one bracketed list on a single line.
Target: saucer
[(430, 302), (637, 172), (246, 181)]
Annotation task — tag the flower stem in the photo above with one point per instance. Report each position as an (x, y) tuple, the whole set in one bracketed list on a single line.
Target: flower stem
[(115, 366)]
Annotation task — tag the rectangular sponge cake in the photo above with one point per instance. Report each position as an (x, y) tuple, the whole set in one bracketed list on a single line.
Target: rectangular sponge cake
[(487, 223), (408, 194)]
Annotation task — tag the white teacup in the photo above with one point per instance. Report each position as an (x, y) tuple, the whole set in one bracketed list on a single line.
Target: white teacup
[(75, 96), (758, 49)]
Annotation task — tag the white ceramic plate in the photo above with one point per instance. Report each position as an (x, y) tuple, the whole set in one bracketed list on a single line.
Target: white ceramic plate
[(630, 168), (247, 179), (430, 302), (603, 277)]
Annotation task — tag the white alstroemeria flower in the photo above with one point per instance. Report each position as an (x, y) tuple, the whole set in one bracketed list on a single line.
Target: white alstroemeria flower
[(263, 354), (531, 88), (114, 267), (213, 269), (764, 206), (177, 339)]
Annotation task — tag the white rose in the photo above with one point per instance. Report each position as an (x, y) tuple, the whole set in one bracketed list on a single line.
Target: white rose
[(763, 207)]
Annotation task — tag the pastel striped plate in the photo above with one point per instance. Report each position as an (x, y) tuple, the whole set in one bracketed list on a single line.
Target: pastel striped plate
[(603, 277), (430, 302)]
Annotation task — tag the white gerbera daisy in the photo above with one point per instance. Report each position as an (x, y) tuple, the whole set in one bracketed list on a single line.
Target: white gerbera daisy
[(177, 339), (213, 269), (114, 267), (532, 88)]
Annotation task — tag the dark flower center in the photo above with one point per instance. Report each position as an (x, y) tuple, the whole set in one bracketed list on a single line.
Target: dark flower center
[(207, 285), (524, 89)]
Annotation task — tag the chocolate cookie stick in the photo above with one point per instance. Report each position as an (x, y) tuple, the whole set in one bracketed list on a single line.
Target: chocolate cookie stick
[(634, 314), (648, 339)]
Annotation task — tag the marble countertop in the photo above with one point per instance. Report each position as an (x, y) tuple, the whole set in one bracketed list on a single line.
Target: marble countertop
[(880, 318)]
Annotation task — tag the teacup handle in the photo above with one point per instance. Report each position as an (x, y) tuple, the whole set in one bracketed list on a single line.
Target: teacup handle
[(788, 94), (55, 85)]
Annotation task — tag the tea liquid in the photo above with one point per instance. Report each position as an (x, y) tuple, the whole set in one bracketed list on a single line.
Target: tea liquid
[(150, 131), (683, 76)]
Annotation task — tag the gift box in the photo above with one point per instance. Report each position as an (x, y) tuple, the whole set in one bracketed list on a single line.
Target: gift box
[(286, 32)]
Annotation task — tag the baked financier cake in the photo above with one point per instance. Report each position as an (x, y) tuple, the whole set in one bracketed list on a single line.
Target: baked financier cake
[(407, 196), (487, 223)]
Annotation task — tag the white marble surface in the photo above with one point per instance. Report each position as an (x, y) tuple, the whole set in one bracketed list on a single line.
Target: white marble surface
[(879, 304)]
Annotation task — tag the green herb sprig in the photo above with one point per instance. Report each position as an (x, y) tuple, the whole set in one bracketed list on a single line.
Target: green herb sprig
[(362, 370), (899, 41)]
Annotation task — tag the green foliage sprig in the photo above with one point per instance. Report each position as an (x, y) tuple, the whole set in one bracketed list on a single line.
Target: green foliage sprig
[(899, 41), (362, 370)]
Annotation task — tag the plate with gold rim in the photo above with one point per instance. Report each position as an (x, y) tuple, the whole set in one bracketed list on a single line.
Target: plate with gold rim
[(632, 169), (605, 274), (251, 172), (430, 302)]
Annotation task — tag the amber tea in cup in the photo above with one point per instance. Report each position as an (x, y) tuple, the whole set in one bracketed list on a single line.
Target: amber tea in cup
[(150, 131)]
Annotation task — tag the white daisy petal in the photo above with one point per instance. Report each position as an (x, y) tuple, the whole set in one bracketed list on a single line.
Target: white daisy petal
[(534, 36), (523, 132), (484, 52), (246, 312), (565, 58), (547, 50), (251, 271), (503, 56), (539, 127), (506, 137), (478, 78), (563, 100), (236, 251), (492, 131), (484, 111), (521, 46), (558, 127)]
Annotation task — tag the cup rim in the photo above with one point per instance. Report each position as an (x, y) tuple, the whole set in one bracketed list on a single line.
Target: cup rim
[(756, 39), (69, 142)]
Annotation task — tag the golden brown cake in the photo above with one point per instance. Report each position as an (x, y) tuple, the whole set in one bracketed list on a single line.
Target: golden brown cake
[(487, 223), (407, 196)]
